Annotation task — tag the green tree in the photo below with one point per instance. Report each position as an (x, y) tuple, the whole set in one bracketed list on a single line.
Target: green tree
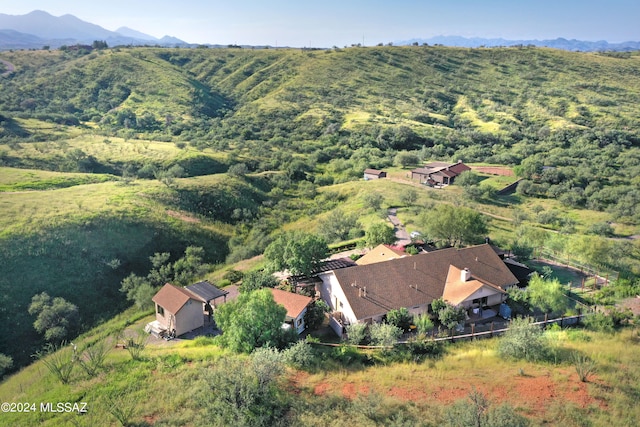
[(254, 280), (409, 196), (251, 321), (467, 179), (523, 340), (454, 225), (373, 200), (547, 295), (406, 158), (140, 290), (315, 314), (356, 333), (56, 318), (238, 170), (423, 323), (299, 252), (378, 234), (338, 225)]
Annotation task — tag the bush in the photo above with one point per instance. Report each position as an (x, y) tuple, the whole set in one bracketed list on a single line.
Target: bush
[(301, 355), (479, 413), (400, 318), (60, 361), (356, 333), (523, 340), (421, 346), (384, 334), (598, 322), (423, 323)]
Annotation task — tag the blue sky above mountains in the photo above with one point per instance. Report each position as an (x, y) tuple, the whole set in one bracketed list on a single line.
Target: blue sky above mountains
[(346, 22)]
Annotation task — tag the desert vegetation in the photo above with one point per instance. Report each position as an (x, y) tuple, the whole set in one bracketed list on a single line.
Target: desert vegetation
[(126, 167)]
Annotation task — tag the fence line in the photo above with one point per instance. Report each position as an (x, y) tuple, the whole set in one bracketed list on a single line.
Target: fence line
[(563, 321), (602, 276)]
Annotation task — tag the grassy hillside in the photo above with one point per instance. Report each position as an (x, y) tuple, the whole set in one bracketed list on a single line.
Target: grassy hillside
[(174, 383), (79, 235), (110, 156)]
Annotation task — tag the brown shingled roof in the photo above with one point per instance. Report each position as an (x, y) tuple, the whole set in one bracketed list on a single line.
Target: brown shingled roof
[(294, 303), (374, 289), (456, 290), (172, 298)]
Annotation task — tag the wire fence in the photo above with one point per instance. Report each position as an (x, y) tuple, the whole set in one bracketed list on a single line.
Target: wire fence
[(592, 276)]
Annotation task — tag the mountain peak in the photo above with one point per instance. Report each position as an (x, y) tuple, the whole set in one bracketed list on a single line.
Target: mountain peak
[(67, 29)]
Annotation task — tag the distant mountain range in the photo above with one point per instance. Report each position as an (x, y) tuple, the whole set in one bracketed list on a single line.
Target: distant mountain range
[(38, 28), (559, 43)]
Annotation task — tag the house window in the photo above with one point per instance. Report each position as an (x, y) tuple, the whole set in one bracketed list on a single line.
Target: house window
[(160, 310), (299, 322)]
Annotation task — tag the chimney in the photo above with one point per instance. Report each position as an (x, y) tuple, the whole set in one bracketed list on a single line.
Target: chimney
[(465, 275)]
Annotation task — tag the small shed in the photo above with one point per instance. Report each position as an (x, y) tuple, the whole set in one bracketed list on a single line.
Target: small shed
[(374, 174), (178, 311)]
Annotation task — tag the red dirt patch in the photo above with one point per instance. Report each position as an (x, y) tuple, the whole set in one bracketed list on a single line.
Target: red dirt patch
[(536, 392), (494, 170)]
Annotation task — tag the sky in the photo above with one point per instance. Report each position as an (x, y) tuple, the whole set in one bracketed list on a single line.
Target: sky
[(342, 23)]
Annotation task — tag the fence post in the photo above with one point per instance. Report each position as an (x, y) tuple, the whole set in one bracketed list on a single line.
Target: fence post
[(492, 329), (473, 328), (546, 319), (561, 320)]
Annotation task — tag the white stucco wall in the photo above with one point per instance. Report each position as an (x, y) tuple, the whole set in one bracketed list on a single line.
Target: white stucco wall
[(189, 317), (332, 294)]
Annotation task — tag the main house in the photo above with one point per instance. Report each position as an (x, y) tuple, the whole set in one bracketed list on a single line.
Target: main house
[(439, 173), (473, 277)]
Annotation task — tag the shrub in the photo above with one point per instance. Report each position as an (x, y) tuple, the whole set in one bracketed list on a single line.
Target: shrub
[(93, 357), (400, 318), (585, 366), (356, 333), (301, 355), (599, 322), (479, 413), (523, 340), (135, 343), (384, 334), (423, 323), (60, 361), (421, 347)]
